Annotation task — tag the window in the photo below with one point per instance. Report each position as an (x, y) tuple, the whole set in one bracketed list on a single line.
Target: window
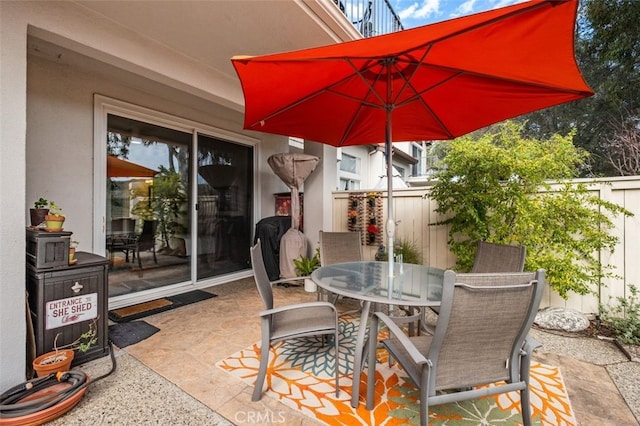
[(349, 184), (418, 153), (350, 164), (349, 173)]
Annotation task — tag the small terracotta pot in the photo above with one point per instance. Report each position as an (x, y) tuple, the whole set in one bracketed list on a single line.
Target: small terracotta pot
[(52, 362), (53, 223)]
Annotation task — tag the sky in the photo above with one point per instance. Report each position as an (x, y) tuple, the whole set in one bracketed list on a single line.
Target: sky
[(414, 13)]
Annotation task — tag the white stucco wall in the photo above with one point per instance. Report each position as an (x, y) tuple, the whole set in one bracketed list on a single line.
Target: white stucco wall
[(60, 142), (46, 129), (13, 77)]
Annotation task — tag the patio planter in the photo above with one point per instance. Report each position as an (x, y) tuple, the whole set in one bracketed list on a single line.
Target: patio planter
[(53, 223), (310, 286), (37, 216), (52, 362)]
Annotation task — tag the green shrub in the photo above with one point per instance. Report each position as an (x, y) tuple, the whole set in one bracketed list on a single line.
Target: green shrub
[(408, 249), (624, 318), (495, 185)]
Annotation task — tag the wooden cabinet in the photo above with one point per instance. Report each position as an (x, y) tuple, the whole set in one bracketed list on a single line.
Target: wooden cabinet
[(65, 301)]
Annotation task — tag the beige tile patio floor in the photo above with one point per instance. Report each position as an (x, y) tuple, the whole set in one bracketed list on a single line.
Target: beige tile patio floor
[(193, 338)]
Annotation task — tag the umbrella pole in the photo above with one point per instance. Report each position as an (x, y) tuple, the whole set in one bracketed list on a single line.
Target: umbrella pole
[(391, 224)]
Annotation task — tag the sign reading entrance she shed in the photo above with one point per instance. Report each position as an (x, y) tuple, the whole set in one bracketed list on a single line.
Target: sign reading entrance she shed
[(71, 310)]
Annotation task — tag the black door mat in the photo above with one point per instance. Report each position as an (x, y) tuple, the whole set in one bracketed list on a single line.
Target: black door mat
[(129, 333), (142, 310)]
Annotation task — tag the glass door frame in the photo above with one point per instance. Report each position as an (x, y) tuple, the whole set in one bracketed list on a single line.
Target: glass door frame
[(102, 107)]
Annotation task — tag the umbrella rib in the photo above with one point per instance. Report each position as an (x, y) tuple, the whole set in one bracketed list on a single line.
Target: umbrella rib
[(366, 82), (407, 80), (459, 72), (327, 89), (417, 96), (362, 102), (350, 126)]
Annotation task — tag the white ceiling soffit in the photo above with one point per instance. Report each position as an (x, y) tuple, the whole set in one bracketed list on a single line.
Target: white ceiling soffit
[(199, 37), (213, 31)]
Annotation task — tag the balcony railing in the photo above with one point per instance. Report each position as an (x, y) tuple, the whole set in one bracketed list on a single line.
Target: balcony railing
[(371, 17)]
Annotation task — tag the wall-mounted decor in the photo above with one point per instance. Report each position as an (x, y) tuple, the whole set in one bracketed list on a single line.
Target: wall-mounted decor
[(364, 214)]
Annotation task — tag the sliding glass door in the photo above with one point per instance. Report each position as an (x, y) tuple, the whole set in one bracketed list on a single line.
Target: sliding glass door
[(225, 195), (150, 199)]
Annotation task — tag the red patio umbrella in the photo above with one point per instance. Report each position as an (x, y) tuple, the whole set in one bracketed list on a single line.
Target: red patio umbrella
[(433, 82)]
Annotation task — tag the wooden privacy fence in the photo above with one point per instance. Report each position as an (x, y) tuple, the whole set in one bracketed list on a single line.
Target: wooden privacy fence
[(414, 211)]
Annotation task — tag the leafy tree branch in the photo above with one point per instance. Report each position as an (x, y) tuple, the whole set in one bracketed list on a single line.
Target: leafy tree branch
[(501, 187)]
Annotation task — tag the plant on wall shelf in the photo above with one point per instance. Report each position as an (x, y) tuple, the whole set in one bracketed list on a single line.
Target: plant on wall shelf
[(352, 215), (372, 231)]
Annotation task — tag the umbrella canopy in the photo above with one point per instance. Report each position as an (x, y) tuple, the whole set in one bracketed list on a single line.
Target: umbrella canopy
[(117, 167), (433, 82)]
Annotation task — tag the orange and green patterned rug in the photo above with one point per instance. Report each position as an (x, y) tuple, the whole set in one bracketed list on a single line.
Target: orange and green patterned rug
[(301, 375)]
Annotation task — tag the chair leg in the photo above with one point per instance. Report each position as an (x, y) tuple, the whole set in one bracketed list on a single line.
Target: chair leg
[(424, 406), (337, 351), (139, 265), (525, 406), (262, 372)]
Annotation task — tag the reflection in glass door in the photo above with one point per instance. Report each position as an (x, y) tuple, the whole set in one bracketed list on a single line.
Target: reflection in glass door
[(225, 196), (147, 221)]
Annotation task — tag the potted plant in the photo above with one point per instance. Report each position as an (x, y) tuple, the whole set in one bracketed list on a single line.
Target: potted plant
[(305, 266), (372, 231), (353, 216), (38, 212), (54, 219), (60, 358), (407, 249), (73, 246)]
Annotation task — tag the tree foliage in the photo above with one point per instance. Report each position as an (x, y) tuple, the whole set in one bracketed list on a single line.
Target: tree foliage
[(170, 204), (608, 53), (495, 187)]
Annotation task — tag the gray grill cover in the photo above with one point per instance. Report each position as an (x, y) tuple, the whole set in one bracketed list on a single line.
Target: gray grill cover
[(293, 169)]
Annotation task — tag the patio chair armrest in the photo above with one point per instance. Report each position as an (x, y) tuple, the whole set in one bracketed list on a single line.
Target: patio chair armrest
[(304, 305), (529, 345), (287, 280), (402, 338)]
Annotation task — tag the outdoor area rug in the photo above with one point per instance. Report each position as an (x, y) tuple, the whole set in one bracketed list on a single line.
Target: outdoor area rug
[(142, 310), (301, 375), (129, 333)]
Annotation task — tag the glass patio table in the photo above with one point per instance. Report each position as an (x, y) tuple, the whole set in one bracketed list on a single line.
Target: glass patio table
[(368, 281)]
